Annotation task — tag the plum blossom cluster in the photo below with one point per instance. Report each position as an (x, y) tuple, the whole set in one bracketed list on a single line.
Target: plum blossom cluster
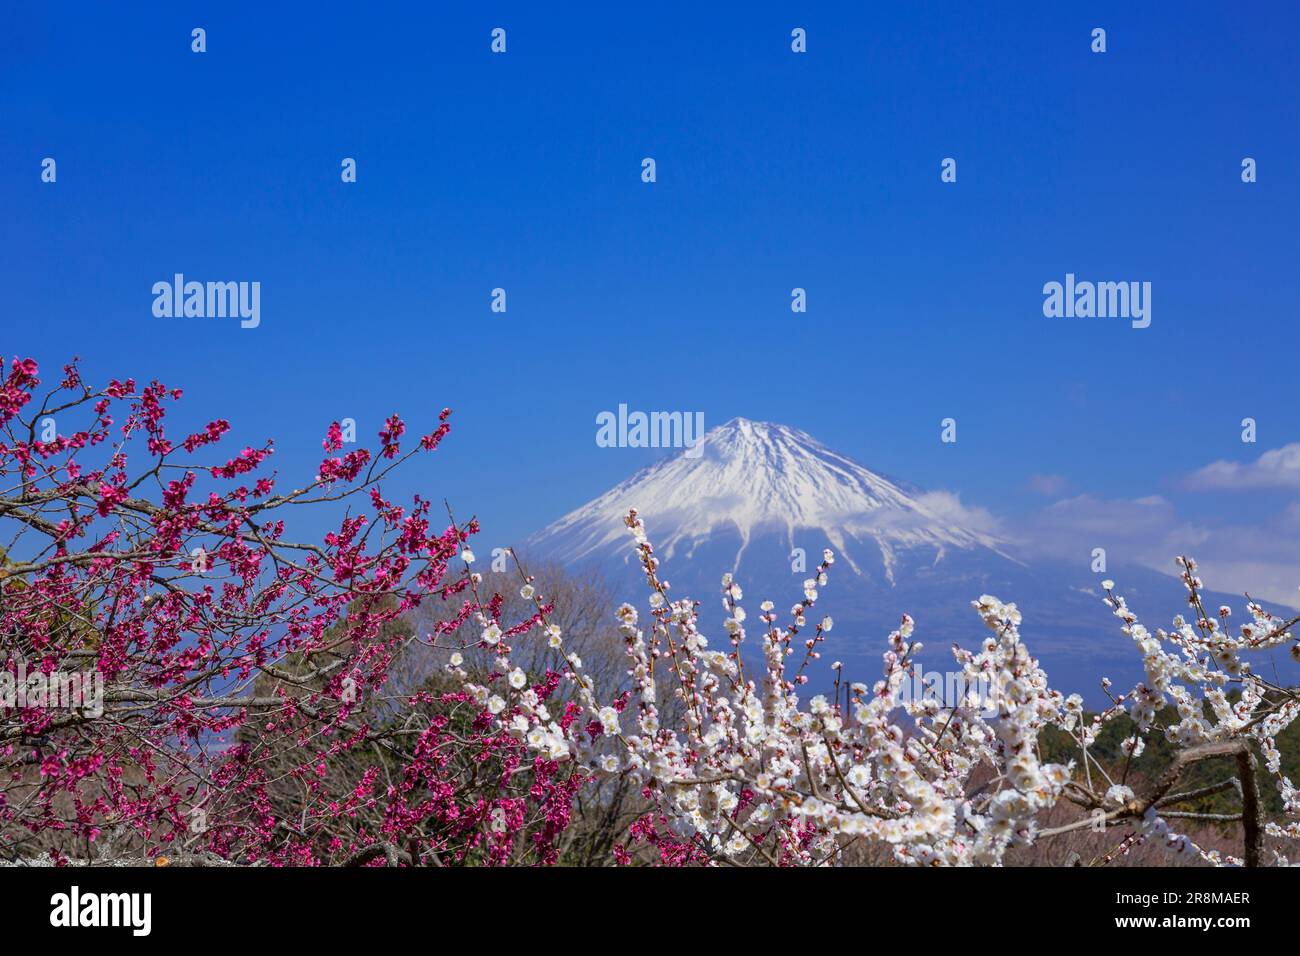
[(1192, 667), (751, 775), (748, 773), (249, 708)]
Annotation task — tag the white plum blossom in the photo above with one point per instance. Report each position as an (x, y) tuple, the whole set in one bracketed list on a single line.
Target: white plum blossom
[(608, 718), (1118, 794), (751, 773)]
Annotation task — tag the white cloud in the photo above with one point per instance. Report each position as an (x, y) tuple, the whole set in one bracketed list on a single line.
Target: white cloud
[(1262, 560), (1278, 468), (1146, 531), (948, 508)]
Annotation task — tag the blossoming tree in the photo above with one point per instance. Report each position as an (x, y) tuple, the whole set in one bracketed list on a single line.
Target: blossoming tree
[(254, 711), (753, 776), (235, 662)]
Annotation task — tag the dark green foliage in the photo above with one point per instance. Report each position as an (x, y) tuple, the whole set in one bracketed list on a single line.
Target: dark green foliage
[(1056, 746)]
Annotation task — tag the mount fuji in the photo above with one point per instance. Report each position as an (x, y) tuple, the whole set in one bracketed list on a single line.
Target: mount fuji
[(763, 500), (760, 486)]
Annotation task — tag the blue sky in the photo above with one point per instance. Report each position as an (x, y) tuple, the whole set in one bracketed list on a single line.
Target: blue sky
[(775, 170)]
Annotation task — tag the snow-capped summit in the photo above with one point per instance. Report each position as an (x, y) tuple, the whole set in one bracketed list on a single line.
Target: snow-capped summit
[(755, 481)]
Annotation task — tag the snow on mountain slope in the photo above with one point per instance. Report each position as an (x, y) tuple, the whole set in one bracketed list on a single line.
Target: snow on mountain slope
[(757, 479)]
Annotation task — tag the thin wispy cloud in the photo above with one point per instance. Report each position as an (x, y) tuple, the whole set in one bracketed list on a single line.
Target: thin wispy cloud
[(1277, 468), (1262, 559), (1146, 531), (1049, 486)]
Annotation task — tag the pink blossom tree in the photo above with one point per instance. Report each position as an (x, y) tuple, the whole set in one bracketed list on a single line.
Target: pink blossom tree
[(228, 664)]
